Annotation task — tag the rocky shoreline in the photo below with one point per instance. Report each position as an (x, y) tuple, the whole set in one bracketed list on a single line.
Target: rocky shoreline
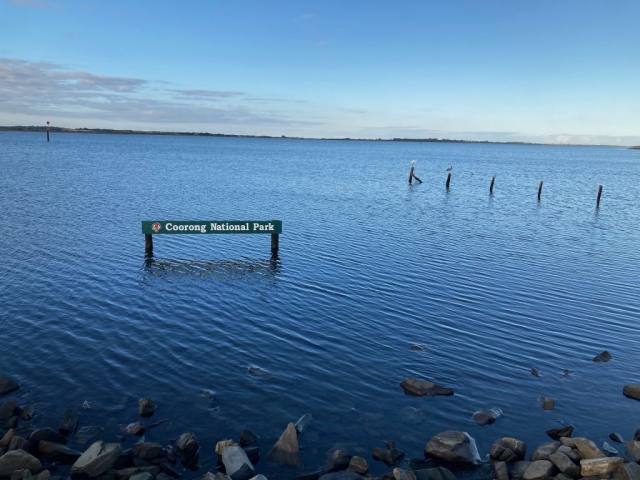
[(27, 452)]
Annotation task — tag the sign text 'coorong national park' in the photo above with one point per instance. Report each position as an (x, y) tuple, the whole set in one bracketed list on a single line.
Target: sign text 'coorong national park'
[(153, 227)]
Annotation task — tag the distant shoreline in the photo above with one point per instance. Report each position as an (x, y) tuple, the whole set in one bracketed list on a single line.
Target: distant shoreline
[(108, 131)]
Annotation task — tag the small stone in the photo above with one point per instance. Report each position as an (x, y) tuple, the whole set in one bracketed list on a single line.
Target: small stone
[(616, 437), (417, 347), (338, 460), (487, 416), (535, 372), (588, 449), (303, 422), (188, 448), (400, 474), (418, 388), (632, 391), (7, 385), (136, 428), (26, 413), (609, 450), (557, 433), (602, 357), (147, 407), (69, 423), (286, 449), (247, 437), (358, 465), (539, 470), (546, 403), (454, 447), (600, 467), (544, 451)]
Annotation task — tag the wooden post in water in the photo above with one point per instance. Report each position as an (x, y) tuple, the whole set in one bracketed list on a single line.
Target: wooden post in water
[(148, 243), (493, 180), (540, 190), (275, 244), (599, 195), (448, 180), (412, 175), (47, 130)]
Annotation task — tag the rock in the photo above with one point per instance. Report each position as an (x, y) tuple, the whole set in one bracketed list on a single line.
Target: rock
[(47, 434), (535, 372), (167, 471), (508, 449), (389, 456), (57, 452), (286, 449), (247, 437), (632, 391), (147, 407), (224, 443), (147, 450), (632, 451), (487, 416), (344, 475), (588, 449), (602, 357), (69, 423), (188, 448), (358, 465), (253, 454), (636, 435), (338, 460), (136, 428), (309, 475), (609, 450), (7, 385), (629, 471), (419, 388), (565, 465), (18, 460), (539, 470), (127, 473), (26, 413), (12, 422), (517, 469), (421, 464), (6, 439), (500, 471), (141, 476), (600, 467), (96, 460), (574, 455), (236, 463), (562, 476), (544, 451), (400, 474), (259, 477), (21, 475), (568, 442), (8, 410), (616, 437), (221, 476), (454, 447), (546, 403), (19, 443), (557, 433), (417, 347), (303, 422), (439, 473)]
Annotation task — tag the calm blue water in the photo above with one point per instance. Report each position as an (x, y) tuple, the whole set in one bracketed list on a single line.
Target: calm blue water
[(368, 266)]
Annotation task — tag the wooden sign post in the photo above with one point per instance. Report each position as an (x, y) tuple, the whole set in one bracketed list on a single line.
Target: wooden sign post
[(163, 227)]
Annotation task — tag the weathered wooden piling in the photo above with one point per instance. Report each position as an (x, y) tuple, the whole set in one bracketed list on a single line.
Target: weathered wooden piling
[(493, 180), (540, 190), (599, 195), (275, 244), (448, 180), (148, 243), (413, 175), (47, 130)]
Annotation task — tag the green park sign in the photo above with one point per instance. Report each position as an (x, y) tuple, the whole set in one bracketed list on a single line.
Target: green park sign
[(156, 227)]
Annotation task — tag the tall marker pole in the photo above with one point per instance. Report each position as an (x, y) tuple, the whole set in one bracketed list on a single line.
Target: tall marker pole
[(47, 130)]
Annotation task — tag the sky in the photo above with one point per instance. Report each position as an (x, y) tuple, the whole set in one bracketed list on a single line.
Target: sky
[(550, 71)]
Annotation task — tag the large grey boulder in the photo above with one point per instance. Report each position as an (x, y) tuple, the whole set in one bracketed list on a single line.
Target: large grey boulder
[(188, 448), (7, 385), (629, 471), (358, 465), (344, 475), (508, 449), (600, 467), (18, 460), (539, 470), (457, 448), (564, 464), (544, 451), (417, 387), (286, 449), (47, 434), (402, 474), (632, 451), (236, 463), (631, 391), (96, 460), (147, 450), (588, 449), (439, 473), (337, 461)]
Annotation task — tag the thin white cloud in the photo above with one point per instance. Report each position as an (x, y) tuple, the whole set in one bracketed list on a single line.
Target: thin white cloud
[(205, 94)]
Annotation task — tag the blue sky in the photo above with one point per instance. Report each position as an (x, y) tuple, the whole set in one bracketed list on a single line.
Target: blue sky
[(561, 71)]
